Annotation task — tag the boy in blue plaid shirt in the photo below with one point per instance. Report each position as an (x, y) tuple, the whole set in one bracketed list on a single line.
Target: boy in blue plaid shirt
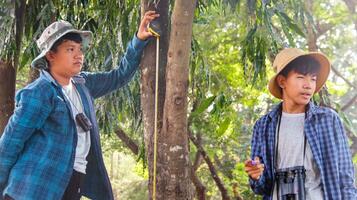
[(298, 138), (50, 148)]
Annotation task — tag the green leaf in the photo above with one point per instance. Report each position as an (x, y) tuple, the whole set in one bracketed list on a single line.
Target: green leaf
[(223, 127), (204, 105), (291, 24)]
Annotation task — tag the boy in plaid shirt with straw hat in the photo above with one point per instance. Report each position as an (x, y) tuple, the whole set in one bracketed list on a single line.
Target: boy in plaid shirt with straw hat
[(300, 150)]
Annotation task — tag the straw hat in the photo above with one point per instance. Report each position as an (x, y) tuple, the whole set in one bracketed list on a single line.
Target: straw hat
[(285, 56), (51, 34)]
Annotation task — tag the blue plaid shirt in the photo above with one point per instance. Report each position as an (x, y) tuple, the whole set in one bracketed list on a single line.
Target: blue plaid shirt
[(37, 147), (325, 134)]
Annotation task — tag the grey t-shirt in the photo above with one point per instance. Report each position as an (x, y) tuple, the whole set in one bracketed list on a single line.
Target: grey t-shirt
[(291, 153)]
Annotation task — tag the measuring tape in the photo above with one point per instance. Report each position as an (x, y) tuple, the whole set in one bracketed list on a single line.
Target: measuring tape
[(154, 28)]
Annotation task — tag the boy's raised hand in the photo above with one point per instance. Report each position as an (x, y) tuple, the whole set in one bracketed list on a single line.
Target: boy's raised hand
[(254, 168), (143, 32)]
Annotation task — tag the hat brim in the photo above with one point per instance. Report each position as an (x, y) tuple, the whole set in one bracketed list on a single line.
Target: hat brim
[(325, 67), (40, 62)]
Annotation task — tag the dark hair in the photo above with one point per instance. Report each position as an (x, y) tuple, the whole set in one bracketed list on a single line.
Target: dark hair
[(75, 37), (302, 65)]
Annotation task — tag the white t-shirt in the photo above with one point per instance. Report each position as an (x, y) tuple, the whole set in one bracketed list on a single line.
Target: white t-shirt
[(83, 143), (291, 153)]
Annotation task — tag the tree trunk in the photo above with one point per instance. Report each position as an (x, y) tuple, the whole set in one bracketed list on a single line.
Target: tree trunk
[(7, 93), (8, 69), (311, 35), (173, 179), (148, 86)]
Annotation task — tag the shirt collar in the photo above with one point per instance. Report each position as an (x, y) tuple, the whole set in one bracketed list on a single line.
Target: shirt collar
[(311, 109), (46, 75), (76, 79)]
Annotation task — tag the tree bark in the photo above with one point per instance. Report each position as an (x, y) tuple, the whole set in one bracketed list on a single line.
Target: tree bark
[(148, 87), (7, 93), (311, 35), (20, 7), (173, 179), (8, 69)]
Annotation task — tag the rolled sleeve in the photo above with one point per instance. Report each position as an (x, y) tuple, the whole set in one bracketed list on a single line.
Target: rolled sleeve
[(102, 83)]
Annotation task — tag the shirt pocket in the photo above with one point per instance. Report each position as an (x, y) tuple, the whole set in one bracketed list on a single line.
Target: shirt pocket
[(60, 117)]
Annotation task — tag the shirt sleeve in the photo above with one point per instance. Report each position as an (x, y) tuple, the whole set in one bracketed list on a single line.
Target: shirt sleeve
[(260, 186), (103, 83), (346, 169), (30, 113)]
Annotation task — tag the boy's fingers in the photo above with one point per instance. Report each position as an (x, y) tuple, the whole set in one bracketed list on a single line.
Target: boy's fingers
[(259, 167), (254, 170), (258, 170), (150, 12), (255, 175), (151, 15), (149, 18), (257, 159)]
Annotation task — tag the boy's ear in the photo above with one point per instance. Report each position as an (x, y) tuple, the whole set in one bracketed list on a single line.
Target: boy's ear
[(50, 56), (280, 79)]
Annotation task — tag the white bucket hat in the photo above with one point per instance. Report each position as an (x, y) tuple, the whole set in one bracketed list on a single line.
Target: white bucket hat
[(51, 34)]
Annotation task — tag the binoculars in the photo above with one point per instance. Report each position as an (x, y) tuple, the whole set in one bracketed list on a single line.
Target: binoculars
[(83, 122), (291, 183)]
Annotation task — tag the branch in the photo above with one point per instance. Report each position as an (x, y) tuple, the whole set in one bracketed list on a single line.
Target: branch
[(127, 141), (220, 166), (200, 188), (211, 167), (323, 28), (351, 4), (341, 76), (198, 158), (349, 103), (237, 196)]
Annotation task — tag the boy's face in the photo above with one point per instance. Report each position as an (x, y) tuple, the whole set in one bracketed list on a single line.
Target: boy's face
[(297, 88), (67, 61)]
